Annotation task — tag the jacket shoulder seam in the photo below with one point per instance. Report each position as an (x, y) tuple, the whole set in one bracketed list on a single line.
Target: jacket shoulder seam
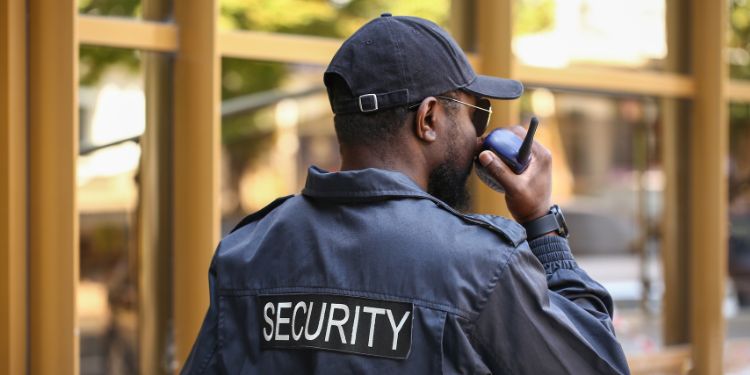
[(255, 216)]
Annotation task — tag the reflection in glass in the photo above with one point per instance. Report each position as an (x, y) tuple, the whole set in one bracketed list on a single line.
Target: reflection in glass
[(737, 308), (112, 118), (739, 202), (276, 121), (608, 179), (559, 34)]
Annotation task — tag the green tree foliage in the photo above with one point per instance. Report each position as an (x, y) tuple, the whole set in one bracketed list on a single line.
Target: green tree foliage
[(739, 18), (118, 8), (95, 60), (533, 16), (332, 18)]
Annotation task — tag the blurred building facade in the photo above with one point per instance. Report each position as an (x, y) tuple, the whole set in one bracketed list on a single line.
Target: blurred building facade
[(136, 133)]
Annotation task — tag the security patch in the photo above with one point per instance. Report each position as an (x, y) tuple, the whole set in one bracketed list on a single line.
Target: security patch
[(334, 322)]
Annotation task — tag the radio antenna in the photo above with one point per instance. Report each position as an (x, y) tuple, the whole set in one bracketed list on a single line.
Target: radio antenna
[(525, 151)]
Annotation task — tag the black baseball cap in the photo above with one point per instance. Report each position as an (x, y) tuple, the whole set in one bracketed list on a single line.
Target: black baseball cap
[(395, 61)]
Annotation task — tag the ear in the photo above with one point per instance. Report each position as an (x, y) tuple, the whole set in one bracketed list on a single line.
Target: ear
[(424, 121)]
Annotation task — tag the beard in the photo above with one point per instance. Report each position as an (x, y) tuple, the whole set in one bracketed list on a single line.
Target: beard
[(447, 181)]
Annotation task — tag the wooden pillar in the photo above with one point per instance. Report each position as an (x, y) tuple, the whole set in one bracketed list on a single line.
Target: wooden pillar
[(461, 25), (53, 225), (674, 251), (495, 37), (708, 185), (196, 165), (13, 198)]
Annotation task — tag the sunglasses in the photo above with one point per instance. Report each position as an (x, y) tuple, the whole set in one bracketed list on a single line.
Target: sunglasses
[(480, 118)]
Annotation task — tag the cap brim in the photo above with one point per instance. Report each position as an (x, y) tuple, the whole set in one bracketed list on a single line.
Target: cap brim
[(495, 88)]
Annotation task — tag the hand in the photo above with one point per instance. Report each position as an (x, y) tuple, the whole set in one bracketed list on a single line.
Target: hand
[(527, 195)]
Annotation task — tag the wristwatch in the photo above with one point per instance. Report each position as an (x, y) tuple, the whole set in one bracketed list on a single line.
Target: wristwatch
[(554, 221)]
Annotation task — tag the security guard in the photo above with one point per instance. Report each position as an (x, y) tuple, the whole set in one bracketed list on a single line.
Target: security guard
[(375, 268)]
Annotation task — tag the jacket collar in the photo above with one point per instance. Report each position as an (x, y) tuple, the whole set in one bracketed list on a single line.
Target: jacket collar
[(377, 184), (362, 184)]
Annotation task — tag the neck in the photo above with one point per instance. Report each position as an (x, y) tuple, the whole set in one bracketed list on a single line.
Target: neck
[(384, 158)]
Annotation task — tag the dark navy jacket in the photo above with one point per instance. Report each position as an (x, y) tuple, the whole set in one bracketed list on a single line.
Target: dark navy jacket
[(405, 284)]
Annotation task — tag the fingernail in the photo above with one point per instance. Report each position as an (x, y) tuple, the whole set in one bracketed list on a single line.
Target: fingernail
[(485, 158)]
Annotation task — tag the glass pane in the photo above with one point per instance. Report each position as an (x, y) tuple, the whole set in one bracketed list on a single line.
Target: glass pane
[(611, 33), (608, 179), (739, 40), (113, 299), (117, 8), (276, 121), (331, 18), (737, 308), (112, 118)]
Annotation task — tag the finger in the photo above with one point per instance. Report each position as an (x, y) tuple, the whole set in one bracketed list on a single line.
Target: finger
[(518, 130), (498, 170), (540, 153)]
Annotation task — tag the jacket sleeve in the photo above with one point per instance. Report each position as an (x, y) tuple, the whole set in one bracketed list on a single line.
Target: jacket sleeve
[(544, 315), (202, 358)]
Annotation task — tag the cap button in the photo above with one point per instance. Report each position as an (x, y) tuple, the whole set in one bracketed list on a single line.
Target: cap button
[(385, 15)]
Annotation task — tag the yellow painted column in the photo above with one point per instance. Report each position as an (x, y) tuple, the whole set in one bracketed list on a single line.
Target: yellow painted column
[(13, 198), (196, 165), (708, 185), (495, 37), (461, 24), (674, 251), (53, 216)]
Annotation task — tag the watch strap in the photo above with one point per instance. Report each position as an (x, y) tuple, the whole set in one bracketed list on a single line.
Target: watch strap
[(540, 226)]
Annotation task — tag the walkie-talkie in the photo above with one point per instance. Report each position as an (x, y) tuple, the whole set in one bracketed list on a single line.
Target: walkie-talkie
[(512, 151)]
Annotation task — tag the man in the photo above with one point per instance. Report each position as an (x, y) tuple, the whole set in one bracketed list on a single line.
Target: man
[(374, 269)]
